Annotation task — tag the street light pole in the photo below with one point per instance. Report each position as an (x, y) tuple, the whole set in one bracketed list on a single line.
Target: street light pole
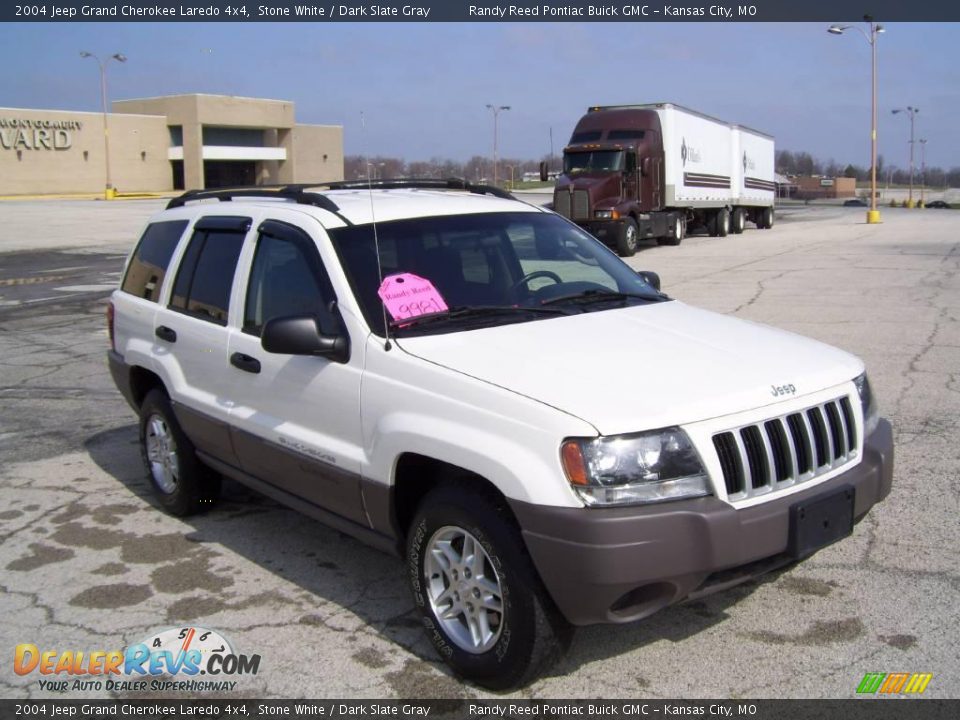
[(923, 169), (913, 113), (873, 214), (108, 192), (496, 113)]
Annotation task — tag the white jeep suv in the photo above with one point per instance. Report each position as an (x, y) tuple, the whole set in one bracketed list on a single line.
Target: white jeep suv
[(478, 385)]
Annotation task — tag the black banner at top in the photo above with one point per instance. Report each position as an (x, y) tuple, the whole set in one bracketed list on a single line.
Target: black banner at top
[(477, 11)]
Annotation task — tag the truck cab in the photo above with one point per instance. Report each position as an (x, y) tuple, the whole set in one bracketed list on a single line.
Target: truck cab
[(646, 172)]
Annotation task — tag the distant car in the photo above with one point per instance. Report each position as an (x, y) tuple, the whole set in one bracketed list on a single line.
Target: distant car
[(854, 202), (938, 204)]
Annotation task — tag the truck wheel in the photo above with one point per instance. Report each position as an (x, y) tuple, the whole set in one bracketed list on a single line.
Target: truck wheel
[(739, 221), (676, 233), (482, 603), (723, 222), (627, 240), (767, 217), (182, 484)]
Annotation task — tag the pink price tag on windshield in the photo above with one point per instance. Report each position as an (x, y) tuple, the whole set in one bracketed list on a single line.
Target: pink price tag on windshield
[(407, 295)]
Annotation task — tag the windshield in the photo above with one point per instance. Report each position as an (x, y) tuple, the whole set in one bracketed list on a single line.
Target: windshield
[(597, 161), (500, 265)]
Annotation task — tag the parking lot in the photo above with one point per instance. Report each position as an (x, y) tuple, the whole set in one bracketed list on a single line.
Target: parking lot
[(89, 563)]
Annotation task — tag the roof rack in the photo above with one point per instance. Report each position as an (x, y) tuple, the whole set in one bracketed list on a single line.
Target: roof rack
[(451, 183), (304, 193), (297, 193)]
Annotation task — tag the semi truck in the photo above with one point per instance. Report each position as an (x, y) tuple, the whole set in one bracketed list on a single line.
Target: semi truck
[(652, 172)]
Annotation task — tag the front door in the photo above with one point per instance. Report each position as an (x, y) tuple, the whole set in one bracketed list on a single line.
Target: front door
[(295, 419)]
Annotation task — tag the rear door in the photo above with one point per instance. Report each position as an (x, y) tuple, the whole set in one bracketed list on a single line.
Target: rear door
[(295, 419), (190, 332)]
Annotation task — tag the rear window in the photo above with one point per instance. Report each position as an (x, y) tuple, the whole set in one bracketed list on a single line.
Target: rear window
[(203, 284), (150, 261)]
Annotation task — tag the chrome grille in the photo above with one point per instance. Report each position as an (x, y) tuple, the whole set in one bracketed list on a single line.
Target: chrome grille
[(561, 203), (581, 205), (786, 450)]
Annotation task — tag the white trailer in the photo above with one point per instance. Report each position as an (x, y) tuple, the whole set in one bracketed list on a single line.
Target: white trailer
[(633, 172)]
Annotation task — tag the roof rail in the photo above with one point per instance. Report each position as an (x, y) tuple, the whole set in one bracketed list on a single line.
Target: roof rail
[(305, 193), (298, 193), (451, 183)]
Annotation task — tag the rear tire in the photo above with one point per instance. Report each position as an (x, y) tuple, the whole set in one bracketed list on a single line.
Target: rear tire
[(723, 222), (482, 603), (766, 218), (181, 483), (628, 238), (739, 221), (677, 231)]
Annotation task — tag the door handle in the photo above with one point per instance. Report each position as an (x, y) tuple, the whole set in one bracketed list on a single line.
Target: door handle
[(245, 362), (165, 333)]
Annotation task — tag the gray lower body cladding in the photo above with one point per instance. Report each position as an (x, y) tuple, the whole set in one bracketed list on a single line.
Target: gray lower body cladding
[(623, 564)]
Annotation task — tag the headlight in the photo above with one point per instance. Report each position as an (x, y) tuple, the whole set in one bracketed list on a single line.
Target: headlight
[(630, 469), (603, 214), (871, 416)]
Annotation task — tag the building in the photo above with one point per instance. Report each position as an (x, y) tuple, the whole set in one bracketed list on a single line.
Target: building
[(816, 186), (164, 144)]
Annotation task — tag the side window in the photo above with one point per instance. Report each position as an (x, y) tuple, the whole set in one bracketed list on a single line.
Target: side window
[(149, 263), (203, 283), (287, 278)]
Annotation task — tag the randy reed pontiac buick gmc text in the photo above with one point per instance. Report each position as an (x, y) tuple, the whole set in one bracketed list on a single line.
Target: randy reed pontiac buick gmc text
[(481, 387)]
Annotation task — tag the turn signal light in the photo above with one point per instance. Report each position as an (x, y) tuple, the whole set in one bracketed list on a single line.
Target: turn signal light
[(572, 458)]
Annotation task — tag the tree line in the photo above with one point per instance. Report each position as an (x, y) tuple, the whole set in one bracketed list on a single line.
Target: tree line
[(476, 169), (803, 163), (480, 169)]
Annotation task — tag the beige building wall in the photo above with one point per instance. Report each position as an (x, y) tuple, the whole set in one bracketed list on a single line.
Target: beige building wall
[(316, 152), (192, 112), (51, 151)]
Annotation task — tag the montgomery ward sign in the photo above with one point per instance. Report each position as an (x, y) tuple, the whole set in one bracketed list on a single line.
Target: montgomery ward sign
[(16, 134)]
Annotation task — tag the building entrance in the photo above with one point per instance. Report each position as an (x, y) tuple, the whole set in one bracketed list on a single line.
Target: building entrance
[(229, 173)]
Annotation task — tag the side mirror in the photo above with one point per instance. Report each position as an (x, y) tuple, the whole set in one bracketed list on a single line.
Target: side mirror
[(645, 167), (651, 278), (544, 171), (299, 335)]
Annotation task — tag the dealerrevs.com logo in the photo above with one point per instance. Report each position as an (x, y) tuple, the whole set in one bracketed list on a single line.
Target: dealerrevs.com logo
[(169, 660)]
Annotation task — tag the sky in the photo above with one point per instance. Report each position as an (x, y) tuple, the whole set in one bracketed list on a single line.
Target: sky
[(421, 88)]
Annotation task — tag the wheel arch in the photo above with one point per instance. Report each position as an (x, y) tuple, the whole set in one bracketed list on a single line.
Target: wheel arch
[(416, 475), (142, 381)]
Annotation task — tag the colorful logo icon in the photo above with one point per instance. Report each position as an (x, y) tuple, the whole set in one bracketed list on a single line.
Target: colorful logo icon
[(894, 683)]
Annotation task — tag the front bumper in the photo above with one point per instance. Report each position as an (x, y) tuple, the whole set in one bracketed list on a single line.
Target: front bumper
[(623, 564), (606, 231)]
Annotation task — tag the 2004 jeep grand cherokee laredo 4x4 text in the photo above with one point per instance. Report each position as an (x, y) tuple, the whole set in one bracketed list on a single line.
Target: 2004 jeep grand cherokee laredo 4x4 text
[(478, 385)]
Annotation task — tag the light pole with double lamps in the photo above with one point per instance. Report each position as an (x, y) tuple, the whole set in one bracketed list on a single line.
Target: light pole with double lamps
[(913, 113), (108, 192), (873, 215), (495, 109)]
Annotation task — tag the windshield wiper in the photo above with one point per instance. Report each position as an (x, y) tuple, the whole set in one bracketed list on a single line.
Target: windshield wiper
[(592, 296), (471, 312)]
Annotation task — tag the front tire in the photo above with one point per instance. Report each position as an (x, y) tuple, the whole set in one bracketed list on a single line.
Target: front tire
[(482, 603), (628, 238), (181, 483)]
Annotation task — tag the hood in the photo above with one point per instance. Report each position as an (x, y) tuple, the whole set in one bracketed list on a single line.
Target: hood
[(642, 367), (599, 186)]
